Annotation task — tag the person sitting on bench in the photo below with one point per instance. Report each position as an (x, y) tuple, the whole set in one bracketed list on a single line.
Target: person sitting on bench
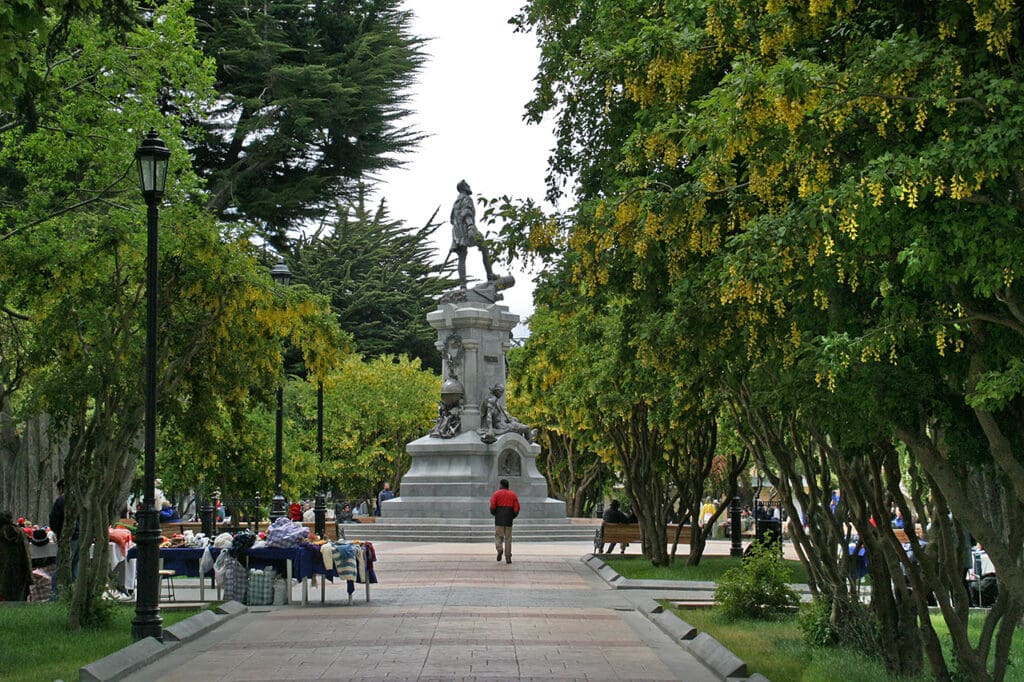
[(613, 514)]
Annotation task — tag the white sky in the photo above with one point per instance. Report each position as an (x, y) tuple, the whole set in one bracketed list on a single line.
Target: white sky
[(469, 101)]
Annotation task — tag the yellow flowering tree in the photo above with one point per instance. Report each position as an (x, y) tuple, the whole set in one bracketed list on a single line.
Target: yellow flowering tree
[(825, 197)]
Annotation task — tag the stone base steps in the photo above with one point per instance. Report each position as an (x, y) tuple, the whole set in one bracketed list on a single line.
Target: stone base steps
[(445, 530)]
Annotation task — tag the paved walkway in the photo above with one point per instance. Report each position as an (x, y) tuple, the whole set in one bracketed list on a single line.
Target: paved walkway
[(447, 611)]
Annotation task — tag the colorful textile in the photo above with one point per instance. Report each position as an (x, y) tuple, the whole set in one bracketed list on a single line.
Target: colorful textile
[(122, 537), (284, 533), (345, 561)]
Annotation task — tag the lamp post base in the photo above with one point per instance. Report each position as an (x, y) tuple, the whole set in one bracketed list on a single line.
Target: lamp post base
[(147, 621), (277, 507), (320, 516), (735, 524)]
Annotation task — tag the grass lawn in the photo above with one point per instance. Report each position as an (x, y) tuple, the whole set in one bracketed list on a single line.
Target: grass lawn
[(711, 568), (36, 646), (776, 650)]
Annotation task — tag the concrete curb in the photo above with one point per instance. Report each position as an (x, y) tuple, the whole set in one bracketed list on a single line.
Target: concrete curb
[(703, 646), (120, 664), (715, 656), (669, 623)]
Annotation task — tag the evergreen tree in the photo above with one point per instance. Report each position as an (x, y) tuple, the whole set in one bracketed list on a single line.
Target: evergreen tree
[(379, 278), (311, 98)]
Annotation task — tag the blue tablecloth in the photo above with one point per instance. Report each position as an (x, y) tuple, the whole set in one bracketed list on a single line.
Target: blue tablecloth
[(182, 560)]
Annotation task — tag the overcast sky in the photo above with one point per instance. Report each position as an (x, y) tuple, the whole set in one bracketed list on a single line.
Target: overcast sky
[(469, 101)]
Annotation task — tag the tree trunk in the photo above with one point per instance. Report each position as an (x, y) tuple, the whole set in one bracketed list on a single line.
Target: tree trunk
[(30, 466)]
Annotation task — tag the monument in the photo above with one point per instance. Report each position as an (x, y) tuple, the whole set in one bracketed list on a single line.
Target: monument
[(475, 442)]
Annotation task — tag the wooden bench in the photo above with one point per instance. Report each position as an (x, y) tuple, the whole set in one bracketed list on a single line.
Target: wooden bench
[(903, 538), (622, 533)]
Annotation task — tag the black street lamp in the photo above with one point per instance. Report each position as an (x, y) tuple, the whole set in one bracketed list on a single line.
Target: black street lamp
[(151, 157), (736, 548), (319, 504), (282, 275)]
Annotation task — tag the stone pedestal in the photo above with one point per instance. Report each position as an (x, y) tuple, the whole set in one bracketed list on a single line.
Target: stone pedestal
[(453, 478)]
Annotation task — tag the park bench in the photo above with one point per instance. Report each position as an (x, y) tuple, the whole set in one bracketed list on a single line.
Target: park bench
[(901, 535), (621, 533)]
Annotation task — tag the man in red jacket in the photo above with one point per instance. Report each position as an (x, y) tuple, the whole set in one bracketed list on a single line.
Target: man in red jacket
[(504, 508)]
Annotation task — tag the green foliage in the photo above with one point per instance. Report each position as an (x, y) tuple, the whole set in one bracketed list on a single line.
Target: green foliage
[(29, 28), (379, 277), (758, 588), (814, 622), (853, 627), (312, 97), (372, 408), (812, 205)]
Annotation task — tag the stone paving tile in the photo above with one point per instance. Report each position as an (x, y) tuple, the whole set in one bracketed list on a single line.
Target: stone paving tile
[(446, 613)]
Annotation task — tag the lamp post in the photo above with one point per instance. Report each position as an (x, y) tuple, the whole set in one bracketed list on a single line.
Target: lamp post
[(151, 158), (282, 275), (736, 548), (319, 504)]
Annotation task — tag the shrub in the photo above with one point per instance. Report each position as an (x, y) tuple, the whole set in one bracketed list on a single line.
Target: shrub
[(758, 588), (853, 627), (814, 622)]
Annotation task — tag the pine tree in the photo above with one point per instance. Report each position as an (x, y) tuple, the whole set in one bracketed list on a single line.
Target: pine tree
[(312, 95), (379, 277)]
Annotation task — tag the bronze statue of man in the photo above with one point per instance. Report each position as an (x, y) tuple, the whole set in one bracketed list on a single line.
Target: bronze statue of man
[(465, 234)]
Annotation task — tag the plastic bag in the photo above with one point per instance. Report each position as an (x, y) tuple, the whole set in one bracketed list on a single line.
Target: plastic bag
[(206, 563), (219, 567)]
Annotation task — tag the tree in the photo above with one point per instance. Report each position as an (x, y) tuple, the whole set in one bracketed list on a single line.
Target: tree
[(573, 468), (379, 278), (372, 408), (771, 148), (311, 99), (31, 28), (72, 272)]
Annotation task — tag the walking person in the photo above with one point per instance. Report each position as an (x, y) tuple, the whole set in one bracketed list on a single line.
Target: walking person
[(504, 508)]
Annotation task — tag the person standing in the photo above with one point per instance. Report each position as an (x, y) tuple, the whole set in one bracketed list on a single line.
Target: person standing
[(15, 565), (57, 519), (504, 508), (383, 495)]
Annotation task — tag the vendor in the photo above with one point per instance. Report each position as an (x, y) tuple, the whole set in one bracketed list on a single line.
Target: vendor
[(15, 566)]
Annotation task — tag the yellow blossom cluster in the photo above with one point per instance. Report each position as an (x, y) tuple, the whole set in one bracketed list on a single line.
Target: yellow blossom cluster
[(821, 301), (848, 221), (941, 340), (826, 380), (870, 353), (996, 19), (763, 181), (544, 234), (908, 191), (877, 191)]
